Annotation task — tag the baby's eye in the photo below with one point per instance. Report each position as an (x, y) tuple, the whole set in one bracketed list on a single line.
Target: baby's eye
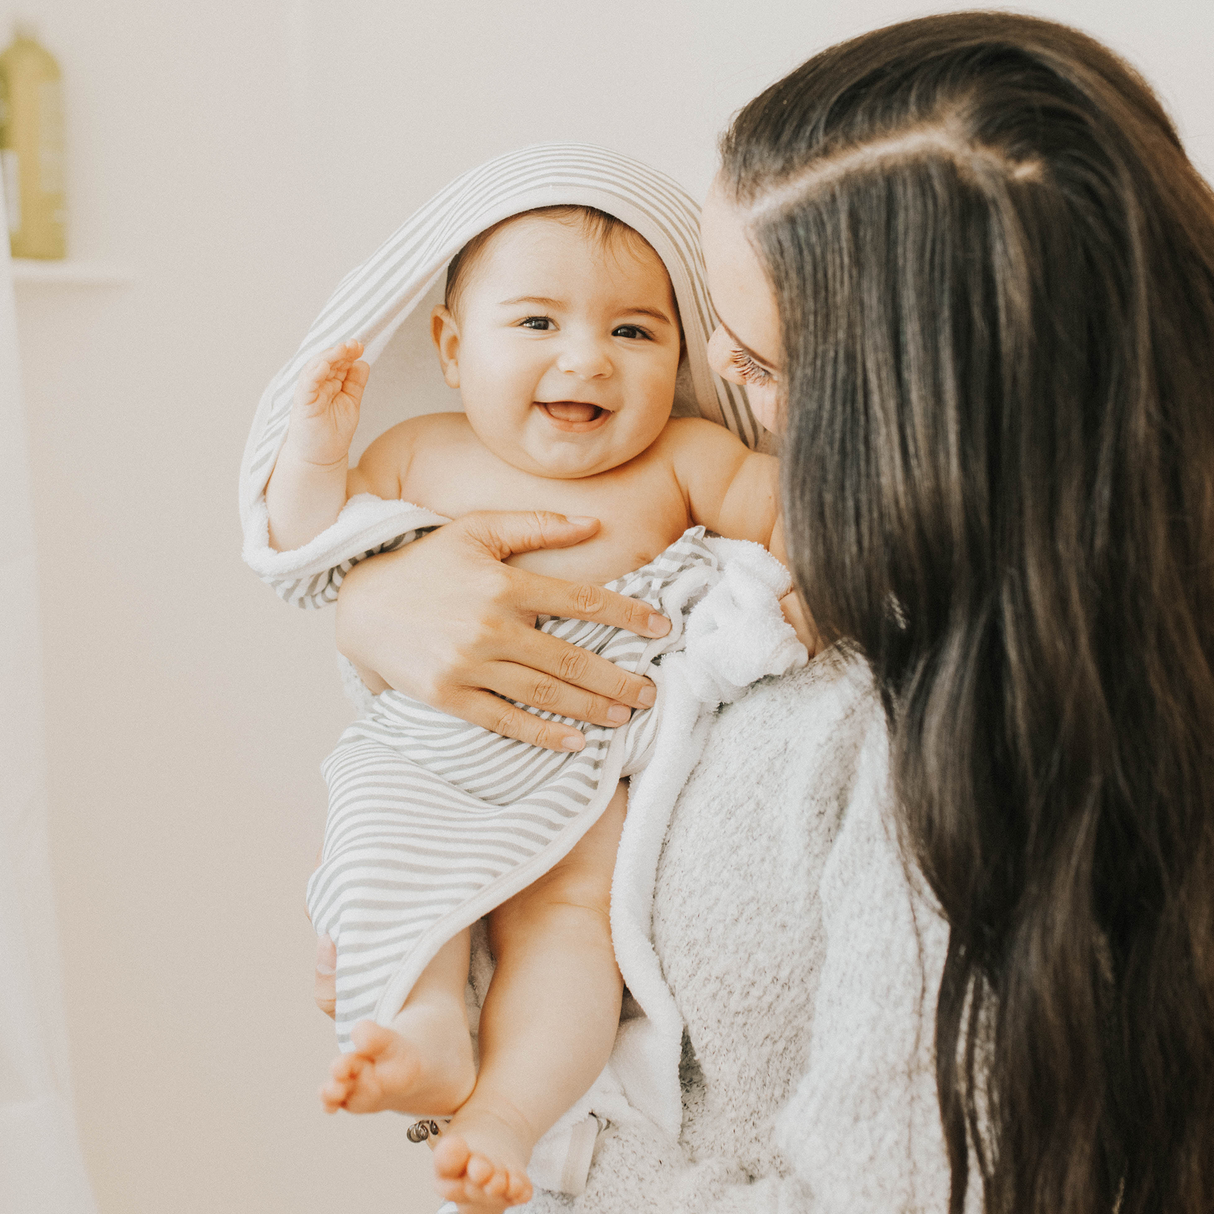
[(630, 331), (750, 370), (539, 323)]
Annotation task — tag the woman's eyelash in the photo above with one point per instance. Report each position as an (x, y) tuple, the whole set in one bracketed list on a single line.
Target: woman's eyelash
[(750, 370)]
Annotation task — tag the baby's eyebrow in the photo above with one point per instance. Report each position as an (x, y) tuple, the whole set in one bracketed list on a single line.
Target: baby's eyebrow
[(539, 300)]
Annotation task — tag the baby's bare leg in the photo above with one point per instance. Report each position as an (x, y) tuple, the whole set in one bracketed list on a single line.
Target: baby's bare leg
[(548, 1024), (423, 1063)]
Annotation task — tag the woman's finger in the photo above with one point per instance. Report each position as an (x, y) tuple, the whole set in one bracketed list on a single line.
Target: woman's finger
[(550, 657), (503, 533), (585, 601), (493, 713), (551, 694)]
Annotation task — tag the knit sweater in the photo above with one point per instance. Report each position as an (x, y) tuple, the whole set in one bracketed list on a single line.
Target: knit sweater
[(804, 960)]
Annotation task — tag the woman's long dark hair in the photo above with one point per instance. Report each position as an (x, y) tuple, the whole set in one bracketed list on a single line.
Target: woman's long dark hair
[(995, 271)]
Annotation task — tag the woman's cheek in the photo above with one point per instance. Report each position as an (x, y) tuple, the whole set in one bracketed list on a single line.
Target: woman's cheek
[(720, 345), (765, 405)]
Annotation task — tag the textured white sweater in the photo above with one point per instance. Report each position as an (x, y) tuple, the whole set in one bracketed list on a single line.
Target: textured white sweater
[(805, 965)]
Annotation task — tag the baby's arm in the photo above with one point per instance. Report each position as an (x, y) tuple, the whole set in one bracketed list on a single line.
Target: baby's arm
[(736, 493), (308, 486), (729, 488)]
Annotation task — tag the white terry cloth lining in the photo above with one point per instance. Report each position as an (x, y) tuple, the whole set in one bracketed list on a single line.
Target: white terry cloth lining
[(373, 302)]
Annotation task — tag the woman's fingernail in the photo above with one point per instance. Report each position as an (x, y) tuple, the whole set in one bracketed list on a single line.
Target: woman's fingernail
[(647, 697), (580, 520), (659, 625), (326, 971), (573, 741), (617, 714)]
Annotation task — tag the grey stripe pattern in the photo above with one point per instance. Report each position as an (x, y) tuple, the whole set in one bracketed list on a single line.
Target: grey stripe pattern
[(433, 822), (320, 589)]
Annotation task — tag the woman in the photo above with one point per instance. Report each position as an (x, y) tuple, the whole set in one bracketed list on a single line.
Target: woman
[(968, 262)]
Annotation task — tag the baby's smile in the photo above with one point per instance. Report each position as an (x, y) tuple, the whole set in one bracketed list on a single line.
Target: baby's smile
[(574, 416)]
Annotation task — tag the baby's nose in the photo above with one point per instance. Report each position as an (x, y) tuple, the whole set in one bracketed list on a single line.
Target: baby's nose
[(588, 359)]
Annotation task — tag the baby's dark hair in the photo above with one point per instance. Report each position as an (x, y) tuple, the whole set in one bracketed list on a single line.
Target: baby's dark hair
[(599, 225)]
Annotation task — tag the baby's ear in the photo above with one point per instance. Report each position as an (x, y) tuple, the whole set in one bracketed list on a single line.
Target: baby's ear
[(444, 332)]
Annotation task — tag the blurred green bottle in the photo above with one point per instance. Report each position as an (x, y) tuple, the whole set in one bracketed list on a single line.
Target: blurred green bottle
[(31, 148)]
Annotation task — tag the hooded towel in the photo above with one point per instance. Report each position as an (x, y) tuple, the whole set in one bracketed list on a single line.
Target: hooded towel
[(404, 278)]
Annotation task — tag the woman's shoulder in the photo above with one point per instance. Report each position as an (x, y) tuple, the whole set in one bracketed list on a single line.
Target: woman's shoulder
[(816, 716)]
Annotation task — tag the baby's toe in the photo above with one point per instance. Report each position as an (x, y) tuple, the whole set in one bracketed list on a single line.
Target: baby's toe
[(344, 1067), (370, 1039), (518, 1190), (451, 1158), (498, 1184), (480, 1170), (458, 1190)]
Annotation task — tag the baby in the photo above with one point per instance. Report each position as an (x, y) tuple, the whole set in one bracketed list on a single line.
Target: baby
[(561, 331)]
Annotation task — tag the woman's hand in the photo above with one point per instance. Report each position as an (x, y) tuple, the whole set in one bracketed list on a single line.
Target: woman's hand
[(445, 621)]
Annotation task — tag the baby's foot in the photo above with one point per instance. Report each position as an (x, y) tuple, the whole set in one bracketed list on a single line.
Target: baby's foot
[(426, 1073), (480, 1163)]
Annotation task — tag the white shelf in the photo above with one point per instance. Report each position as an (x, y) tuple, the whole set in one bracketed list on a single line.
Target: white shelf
[(71, 273)]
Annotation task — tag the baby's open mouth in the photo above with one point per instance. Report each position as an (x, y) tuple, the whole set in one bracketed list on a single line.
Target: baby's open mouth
[(574, 414)]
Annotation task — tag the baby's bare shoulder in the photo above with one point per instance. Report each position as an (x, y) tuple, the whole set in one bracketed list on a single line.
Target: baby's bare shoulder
[(429, 428), (386, 463), (699, 438), (429, 433)]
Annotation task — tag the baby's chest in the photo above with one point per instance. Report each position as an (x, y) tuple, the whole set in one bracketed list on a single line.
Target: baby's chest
[(630, 535), (639, 516)]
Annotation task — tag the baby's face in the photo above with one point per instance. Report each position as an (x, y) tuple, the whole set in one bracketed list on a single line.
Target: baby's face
[(565, 349)]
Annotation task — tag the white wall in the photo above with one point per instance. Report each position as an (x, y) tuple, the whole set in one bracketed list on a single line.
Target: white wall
[(239, 156)]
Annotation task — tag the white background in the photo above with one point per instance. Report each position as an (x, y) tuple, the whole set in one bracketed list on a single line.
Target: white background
[(239, 156)]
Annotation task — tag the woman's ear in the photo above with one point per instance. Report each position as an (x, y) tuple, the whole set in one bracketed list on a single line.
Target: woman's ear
[(444, 332)]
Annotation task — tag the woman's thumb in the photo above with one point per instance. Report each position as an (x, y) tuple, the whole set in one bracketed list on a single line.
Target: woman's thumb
[(506, 532)]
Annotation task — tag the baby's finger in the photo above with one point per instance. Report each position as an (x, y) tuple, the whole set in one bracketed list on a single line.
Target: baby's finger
[(357, 375), (314, 374), (343, 352), (500, 716), (333, 363)]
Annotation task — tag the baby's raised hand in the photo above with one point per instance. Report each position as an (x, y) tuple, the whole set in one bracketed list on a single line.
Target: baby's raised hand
[(324, 413)]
